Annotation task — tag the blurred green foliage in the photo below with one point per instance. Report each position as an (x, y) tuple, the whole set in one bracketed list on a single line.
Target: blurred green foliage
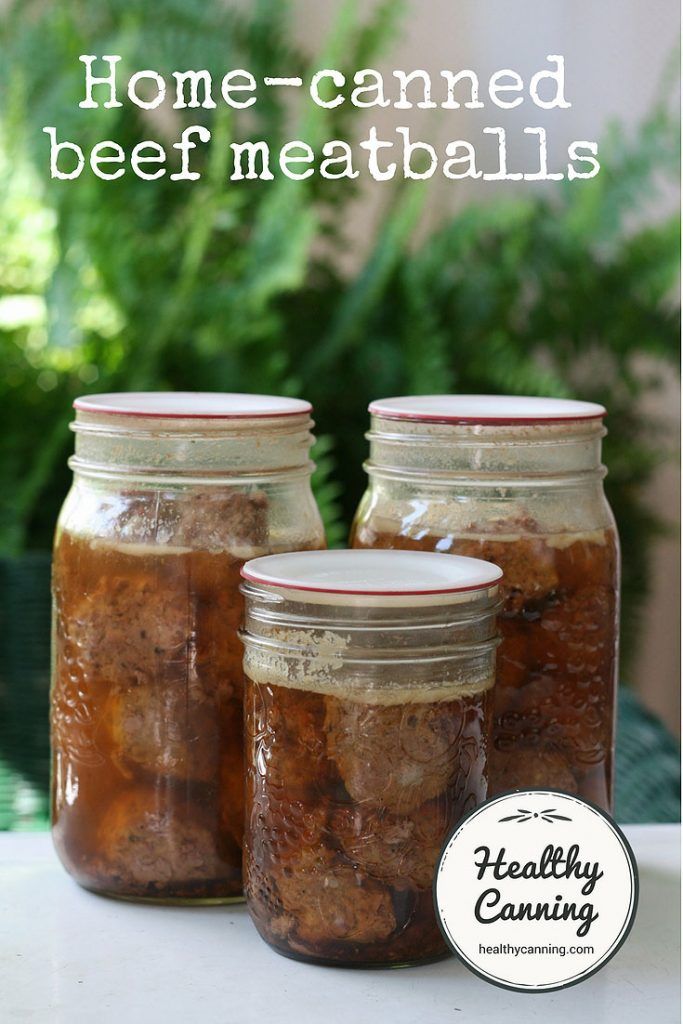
[(218, 286)]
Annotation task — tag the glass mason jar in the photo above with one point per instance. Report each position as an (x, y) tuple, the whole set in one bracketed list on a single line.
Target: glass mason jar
[(171, 494), (368, 677), (517, 481)]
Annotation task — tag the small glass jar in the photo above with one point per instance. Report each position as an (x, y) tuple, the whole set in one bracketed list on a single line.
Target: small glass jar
[(366, 709), (517, 481), (171, 494)]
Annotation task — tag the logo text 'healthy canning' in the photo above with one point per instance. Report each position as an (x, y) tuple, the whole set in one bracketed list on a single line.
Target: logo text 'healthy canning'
[(524, 877), (553, 863)]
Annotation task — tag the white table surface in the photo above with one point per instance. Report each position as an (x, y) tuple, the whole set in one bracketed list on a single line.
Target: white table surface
[(69, 956)]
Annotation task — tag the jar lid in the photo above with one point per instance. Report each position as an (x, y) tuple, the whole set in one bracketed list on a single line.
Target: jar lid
[(368, 573), (192, 405), (491, 410)]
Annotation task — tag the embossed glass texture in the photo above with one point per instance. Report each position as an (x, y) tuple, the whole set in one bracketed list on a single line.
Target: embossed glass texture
[(366, 741), (529, 497), (146, 704)]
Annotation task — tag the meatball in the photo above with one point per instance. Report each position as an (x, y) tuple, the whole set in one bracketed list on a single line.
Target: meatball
[(326, 900), (147, 844), (395, 756), (529, 567), (218, 519), (157, 728), (399, 850), (532, 769), (131, 626), (129, 614)]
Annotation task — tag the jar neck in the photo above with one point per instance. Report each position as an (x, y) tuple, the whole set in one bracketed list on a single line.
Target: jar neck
[(191, 450), (373, 651), (447, 453)]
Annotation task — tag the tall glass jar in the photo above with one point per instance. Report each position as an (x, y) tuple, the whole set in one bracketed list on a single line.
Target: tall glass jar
[(517, 481), (172, 492), (367, 703)]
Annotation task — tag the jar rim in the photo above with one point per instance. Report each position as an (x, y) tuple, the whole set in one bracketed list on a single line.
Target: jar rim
[(486, 410), (365, 575), (202, 405)]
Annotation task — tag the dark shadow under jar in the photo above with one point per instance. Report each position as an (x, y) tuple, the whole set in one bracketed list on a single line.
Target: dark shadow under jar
[(368, 680)]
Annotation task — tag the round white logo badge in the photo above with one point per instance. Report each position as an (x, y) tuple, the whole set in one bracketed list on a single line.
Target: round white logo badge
[(536, 890)]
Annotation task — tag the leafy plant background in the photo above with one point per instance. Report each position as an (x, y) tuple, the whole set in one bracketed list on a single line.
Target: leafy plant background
[(214, 286)]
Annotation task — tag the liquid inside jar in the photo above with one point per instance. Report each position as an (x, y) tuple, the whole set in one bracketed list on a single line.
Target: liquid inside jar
[(147, 713), (349, 803), (554, 699)]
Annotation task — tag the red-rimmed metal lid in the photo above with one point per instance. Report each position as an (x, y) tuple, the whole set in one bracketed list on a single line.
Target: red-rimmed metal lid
[(493, 410), (192, 405), (373, 573)]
